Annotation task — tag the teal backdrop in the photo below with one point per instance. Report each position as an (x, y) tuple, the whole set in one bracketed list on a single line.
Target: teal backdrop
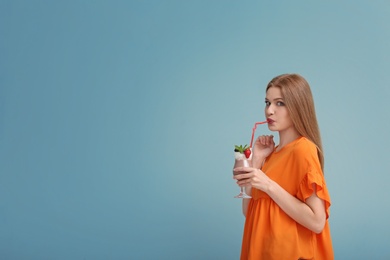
[(118, 121)]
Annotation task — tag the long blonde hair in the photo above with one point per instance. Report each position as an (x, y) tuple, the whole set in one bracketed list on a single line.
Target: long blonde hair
[(299, 102)]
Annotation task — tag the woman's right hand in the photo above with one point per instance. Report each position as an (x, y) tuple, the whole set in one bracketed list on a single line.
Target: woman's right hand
[(262, 148)]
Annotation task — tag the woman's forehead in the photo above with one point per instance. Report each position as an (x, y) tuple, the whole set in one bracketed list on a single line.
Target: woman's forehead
[(274, 93)]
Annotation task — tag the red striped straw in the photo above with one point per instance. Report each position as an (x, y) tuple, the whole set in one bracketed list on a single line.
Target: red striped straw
[(254, 129)]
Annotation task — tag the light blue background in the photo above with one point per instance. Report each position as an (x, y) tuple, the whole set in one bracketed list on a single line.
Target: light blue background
[(118, 121)]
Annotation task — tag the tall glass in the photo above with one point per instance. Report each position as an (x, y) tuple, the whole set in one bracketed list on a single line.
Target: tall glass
[(242, 162)]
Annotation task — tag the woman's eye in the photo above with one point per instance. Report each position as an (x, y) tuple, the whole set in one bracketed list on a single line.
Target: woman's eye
[(280, 103), (267, 103)]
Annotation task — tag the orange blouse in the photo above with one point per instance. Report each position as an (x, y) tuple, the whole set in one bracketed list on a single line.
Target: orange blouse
[(269, 233)]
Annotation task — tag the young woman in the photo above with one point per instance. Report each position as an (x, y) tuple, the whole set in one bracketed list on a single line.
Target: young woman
[(287, 216)]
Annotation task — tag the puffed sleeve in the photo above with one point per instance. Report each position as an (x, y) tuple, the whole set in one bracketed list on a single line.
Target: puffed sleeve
[(305, 190)]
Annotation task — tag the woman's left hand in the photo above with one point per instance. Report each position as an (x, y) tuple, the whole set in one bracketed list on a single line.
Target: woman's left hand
[(252, 177)]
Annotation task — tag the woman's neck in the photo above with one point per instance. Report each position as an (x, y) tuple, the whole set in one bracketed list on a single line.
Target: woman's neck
[(286, 137)]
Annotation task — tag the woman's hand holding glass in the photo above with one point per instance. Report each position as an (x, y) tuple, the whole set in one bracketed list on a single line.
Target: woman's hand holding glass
[(253, 176)]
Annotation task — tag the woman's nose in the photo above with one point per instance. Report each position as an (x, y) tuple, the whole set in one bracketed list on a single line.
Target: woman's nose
[(270, 111)]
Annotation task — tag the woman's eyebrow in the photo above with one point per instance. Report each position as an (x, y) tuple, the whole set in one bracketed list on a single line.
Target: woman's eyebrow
[(275, 99)]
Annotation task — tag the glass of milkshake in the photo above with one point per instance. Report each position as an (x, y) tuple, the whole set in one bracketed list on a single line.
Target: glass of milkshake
[(242, 158)]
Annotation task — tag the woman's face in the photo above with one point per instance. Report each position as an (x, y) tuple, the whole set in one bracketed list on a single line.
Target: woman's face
[(276, 111)]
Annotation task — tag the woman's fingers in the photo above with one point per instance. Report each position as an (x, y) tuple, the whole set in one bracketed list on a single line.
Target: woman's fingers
[(243, 169), (243, 179), (269, 139), (266, 139), (243, 183), (242, 176), (262, 140)]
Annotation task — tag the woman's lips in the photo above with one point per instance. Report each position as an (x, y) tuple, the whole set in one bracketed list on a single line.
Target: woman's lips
[(270, 121)]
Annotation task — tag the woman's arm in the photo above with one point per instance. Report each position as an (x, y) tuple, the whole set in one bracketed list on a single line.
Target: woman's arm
[(310, 214)]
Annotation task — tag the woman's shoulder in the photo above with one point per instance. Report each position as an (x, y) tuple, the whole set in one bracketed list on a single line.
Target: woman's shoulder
[(304, 145), (305, 155)]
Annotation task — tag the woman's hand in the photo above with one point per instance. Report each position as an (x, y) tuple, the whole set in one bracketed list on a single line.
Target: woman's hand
[(262, 148), (252, 177)]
